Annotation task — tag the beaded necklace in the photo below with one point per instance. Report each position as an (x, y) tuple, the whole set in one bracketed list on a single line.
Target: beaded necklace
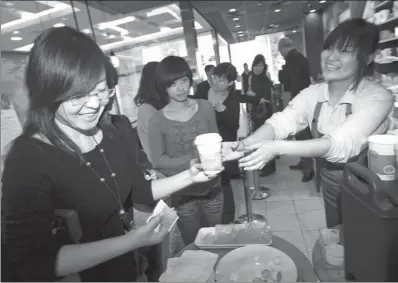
[(128, 222)]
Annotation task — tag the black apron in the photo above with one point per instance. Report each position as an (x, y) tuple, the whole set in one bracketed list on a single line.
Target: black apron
[(331, 174)]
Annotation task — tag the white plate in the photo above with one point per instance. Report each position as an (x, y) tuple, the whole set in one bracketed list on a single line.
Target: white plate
[(248, 263)]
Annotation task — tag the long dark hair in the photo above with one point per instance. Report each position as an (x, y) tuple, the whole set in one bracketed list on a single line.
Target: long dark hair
[(62, 63), (148, 91), (257, 60), (362, 37), (169, 70)]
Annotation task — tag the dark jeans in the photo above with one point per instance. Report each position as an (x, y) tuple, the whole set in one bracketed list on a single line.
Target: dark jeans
[(308, 163), (196, 212), (228, 213)]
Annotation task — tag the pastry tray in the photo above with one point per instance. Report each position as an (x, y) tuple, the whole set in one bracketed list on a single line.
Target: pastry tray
[(203, 232)]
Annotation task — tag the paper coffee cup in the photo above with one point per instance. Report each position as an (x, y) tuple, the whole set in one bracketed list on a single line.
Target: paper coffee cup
[(209, 148), (381, 156)]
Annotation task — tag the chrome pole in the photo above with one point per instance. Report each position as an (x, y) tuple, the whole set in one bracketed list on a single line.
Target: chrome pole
[(249, 184)]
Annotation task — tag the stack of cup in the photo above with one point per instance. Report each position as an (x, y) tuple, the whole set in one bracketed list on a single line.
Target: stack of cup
[(382, 156), (209, 149)]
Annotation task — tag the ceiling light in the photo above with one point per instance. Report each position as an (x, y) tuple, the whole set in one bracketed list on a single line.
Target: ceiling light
[(26, 15), (16, 38), (165, 29), (322, 1), (241, 31), (15, 32), (259, 4), (277, 10), (237, 26), (235, 19), (233, 10), (294, 31), (312, 11), (112, 36), (241, 34), (9, 4), (58, 25)]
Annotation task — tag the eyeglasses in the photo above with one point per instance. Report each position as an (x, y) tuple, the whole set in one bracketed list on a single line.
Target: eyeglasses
[(80, 100)]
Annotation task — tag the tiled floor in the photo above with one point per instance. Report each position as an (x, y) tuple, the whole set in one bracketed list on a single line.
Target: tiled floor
[(294, 210)]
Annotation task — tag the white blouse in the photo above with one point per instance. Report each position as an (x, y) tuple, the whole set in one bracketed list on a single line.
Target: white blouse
[(371, 104)]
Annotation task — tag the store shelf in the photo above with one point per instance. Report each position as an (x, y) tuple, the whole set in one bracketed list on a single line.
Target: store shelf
[(388, 43), (389, 24), (387, 67), (383, 5)]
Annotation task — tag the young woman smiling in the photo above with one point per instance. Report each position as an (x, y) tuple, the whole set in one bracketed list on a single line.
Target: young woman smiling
[(74, 155), (341, 112)]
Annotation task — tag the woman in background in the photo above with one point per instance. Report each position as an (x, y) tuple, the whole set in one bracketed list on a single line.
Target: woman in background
[(171, 135), (260, 86), (148, 101), (226, 102)]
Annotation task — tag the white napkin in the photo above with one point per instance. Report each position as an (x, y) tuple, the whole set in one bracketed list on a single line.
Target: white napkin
[(192, 266)]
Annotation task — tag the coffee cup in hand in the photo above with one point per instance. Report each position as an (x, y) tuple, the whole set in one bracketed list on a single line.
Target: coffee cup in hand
[(209, 149)]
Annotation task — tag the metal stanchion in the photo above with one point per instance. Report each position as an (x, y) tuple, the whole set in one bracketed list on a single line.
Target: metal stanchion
[(250, 184)]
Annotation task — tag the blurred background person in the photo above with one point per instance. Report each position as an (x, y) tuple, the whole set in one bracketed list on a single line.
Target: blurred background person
[(296, 75), (261, 87), (245, 78), (226, 102), (203, 88)]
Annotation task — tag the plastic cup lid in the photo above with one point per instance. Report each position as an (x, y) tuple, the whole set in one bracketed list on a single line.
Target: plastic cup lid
[(383, 139), (208, 139)]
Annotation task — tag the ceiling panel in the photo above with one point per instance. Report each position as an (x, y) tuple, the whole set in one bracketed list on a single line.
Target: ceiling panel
[(162, 18), (255, 17)]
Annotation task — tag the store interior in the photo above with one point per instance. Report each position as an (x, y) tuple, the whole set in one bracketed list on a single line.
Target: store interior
[(202, 32)]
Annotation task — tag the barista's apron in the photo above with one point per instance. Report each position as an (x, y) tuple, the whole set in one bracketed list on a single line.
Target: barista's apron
[(332, 173)]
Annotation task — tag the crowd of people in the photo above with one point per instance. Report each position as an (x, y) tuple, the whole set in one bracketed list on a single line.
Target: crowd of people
[(75, 155)]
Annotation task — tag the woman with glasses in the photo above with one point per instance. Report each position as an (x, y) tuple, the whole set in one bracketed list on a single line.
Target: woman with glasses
[(226, 103), (342, 112), (74, 155)]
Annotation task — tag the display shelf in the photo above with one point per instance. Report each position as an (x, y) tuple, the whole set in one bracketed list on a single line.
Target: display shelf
[(389, 24), (388, 43), (386, 68), (383, 5), (386, 65)]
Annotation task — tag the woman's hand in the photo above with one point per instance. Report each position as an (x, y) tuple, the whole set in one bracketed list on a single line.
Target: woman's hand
[(146, 233), (197, 174), (262, 154), (232, 150)]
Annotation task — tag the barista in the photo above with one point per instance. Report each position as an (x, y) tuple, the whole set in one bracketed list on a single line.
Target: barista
[(342, 112)]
